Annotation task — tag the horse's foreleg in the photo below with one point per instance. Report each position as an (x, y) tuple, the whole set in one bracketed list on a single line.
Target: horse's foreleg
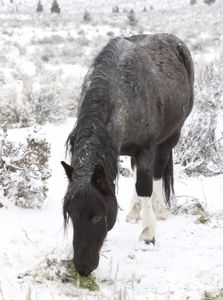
[(148, 221), (158, 203), (144, 189)]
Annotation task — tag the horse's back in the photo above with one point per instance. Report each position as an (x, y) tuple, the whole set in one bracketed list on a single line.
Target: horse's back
[(161, 47), (144, 85), (153, 85), (173, 66)]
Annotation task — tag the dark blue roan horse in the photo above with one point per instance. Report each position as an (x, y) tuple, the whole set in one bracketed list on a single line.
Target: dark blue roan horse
[(134, 101)]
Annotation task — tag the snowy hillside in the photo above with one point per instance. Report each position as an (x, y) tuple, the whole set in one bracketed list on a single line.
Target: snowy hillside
[(43, 60), (69, 6)]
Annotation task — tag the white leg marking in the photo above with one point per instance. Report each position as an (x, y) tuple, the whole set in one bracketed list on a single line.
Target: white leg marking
[(158, 201), (135, 206), (148, 221)]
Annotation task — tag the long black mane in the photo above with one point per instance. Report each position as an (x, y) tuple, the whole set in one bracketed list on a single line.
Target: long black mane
[(89, 143), (90, 129)]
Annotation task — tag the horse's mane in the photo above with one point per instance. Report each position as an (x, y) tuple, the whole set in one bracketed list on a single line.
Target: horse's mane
[(90, 127), (105, 66), (89, 143)]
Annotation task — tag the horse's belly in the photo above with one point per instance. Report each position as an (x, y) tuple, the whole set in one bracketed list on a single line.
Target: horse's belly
[(134, 140), (175, 113)]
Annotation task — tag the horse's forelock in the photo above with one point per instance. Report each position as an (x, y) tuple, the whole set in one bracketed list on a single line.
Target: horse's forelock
[(66, 218)]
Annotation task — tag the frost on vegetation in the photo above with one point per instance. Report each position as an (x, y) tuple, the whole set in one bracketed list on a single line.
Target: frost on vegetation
[(39, 7), (124, 167), (87, 17), (190, 206), (132, 18), (198, 150), (54, 39), (24, 170), (42, 108), (218, 295), (51, 269), (30, 109), (115, 9), (209, 2), (55, 8)]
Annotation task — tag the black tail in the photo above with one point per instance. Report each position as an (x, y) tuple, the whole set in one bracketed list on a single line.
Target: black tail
[(168, 180), (185, 56)]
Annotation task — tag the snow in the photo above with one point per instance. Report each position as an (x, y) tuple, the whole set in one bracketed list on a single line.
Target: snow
[(53, 53), (186, 260), (69, 5)]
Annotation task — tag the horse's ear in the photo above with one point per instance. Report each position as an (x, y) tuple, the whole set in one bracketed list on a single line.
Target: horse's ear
[(68, 170), (98, 179)]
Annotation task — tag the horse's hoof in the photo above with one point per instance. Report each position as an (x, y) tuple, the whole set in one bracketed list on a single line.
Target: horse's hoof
[(147, 236), (148, 242)]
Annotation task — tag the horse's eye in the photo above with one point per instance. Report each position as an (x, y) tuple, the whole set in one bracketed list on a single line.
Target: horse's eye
[(96, 219)]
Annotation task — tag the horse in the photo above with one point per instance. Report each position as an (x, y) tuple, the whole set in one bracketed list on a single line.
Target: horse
[(134, 100)]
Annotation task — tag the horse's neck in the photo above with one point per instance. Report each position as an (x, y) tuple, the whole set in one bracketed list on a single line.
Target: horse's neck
[(93, 146)]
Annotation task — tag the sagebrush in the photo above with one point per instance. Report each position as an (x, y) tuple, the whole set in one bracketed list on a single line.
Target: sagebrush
[(24, 169), (198, 149)]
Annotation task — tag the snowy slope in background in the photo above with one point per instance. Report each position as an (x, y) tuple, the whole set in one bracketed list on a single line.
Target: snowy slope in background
[(102, 5), (46, 56)]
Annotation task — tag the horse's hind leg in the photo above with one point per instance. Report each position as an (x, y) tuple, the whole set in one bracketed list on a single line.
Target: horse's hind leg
[(163, 164), (158, 201)]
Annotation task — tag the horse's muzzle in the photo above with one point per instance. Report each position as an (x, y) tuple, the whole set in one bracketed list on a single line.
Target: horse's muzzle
[(84, 270)]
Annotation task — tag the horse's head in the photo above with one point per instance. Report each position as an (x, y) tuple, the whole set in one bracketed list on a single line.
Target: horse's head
[(93, 209)]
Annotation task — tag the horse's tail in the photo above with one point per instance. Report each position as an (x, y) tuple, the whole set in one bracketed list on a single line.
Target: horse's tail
[(186, 58), (168, 180)]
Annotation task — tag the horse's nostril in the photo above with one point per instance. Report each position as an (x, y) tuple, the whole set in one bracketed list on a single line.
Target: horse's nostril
[(84, 268), (84, 272)]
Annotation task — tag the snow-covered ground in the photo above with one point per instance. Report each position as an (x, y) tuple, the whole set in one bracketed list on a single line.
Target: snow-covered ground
[(44, 55), (186, 261)]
